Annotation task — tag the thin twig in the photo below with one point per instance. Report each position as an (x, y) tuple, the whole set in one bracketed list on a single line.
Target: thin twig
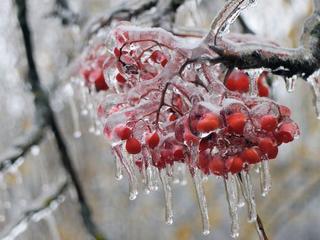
[(27, 216), (20, 147)]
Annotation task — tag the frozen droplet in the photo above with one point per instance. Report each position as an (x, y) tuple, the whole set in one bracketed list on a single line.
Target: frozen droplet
[(314, 81), (35, 150), (290, 83), (231, 195), (197, 180), (248, 193), (265, 177), (167, 188), (253, 76)]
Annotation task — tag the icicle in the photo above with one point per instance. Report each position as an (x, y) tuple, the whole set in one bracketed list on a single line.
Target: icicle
[(176, 173), (221, 24), (231, 195), (152, 178), (75, 118), (314, 81), (167, 188), (84, 91), (183, 175), (52, 225), (253, 76), (197, 179), (118, 169), (265, 177), (91, 109), (248, 193), (240, 196), (290, 83), (125, 160)]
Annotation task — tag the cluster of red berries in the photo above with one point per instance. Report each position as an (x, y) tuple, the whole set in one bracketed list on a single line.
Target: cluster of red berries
[(176, 119), (92, 68)]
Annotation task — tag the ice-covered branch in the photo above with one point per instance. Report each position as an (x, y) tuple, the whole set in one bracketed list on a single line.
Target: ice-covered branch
[(62, 10), (36, 212), (46, 116), (20, 147), (301, 61), (123, 14)]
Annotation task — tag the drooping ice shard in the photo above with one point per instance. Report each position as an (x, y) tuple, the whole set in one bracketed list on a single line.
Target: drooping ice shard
[(197, 180)]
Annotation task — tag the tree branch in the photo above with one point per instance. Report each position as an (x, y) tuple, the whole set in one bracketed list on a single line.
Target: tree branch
[(47, 116), (64, 13), (20, 148), (29, 214), (301, 61), (123, 14)]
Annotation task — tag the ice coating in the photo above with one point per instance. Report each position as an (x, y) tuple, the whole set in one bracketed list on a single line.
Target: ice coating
[(208, 121)]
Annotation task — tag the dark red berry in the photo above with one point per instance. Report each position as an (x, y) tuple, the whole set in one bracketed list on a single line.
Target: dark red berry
[(153, 140), (238, 81), (133, 146), (268, 122), (236, 122)]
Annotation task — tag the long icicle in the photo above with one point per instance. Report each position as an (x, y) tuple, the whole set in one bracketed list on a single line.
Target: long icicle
[(197, 179), (248, 193), (133, 184), (265, 177), (167, 188), (231, 195)]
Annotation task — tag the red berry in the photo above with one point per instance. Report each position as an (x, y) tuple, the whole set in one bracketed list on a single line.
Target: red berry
[(238, 81), (153, 140), (85, 72), (209, 123), (157, 56), (164, 62), (203, 162), (234, 164), (216, 166), (172, 117), (251, 155), (286, 132), (284, 111), (120, 79), (96, 77), (167, 156), (133, 146), (268, 122), (236, 122), (123, 132), (268, 147), (178, 152), (263, 88)]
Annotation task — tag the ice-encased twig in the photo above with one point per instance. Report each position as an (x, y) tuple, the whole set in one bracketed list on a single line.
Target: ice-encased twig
[(314, 81), (226, 17)]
